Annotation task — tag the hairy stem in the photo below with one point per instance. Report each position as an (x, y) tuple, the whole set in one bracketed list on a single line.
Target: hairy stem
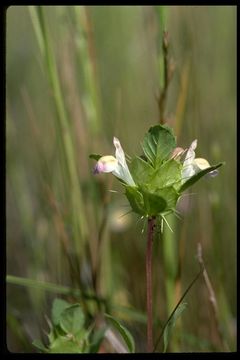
[(151, 225)]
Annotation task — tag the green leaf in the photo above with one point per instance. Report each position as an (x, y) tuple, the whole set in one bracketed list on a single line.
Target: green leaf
[(168, 174), (124, 332), (170, 325), (153, 203), (135, 199), (141, 170), (39, 345), (170, 195), (198, 176), (159, 201), (95, 156), (58, 307), (72, 319), (158, 144)]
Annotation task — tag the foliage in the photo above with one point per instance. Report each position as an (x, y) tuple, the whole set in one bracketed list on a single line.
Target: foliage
[(124, 332), (170, 325), (68, 333)]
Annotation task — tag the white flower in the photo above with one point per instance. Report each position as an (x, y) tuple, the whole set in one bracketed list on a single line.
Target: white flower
[(192, 166), (116, 165)]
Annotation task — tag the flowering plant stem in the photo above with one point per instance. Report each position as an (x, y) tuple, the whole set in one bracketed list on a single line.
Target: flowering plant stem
[(150, 233)]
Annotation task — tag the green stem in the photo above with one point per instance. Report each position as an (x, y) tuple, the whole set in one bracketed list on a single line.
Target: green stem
[(151, 225)]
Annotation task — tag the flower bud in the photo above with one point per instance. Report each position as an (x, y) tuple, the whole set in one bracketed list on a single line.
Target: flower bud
[(106, 164)]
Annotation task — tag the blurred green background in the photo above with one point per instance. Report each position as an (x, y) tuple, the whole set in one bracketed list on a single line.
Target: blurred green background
[(76, 77)]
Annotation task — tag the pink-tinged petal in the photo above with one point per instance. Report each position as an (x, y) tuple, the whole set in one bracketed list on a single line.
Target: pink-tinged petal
[(106, 164), (177, 152)]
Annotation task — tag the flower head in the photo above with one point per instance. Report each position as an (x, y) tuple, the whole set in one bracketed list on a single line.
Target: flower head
[(116, 165), (192, 166), (157, 179)]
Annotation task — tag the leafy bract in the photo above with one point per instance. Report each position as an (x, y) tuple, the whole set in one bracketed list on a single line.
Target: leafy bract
[(156, 190), (153, 202), (135, 199), (198, 176), (141, 170), (150, 202), (158, 144), (168, 174), (170, 195)]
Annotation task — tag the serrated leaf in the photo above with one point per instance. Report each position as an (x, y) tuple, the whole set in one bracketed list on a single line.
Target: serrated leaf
[(168, 330), (135, 199), (198, 176), (58, 307), (158, 144), (170, 195), (168, 174), (72, 319), (141, 171), (124, 332), (95, 156), (153, 202)]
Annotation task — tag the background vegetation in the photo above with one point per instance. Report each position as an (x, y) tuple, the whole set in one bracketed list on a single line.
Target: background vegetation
[(77, 76)]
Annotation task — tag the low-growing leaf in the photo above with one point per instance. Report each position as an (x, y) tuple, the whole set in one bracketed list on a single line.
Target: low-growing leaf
[(124, 332), (170, 325), (58, 307), (72, 319), (64, 344)]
